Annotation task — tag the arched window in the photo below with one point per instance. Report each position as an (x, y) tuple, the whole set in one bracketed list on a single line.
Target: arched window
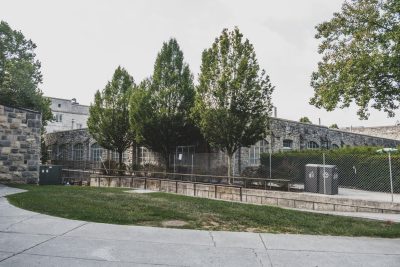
[(335, 146), (54, 152), (96, 152), (256, 150), (77, 152), (312, 145), (115, 156), (62, 152), (287, 144), (146, 156)]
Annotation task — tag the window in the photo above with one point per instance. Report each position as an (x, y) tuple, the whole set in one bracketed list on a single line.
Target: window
[(96, 152), (325, 144), (77, 152), (287, 144), (115, 156), (146, 156), (62, 152), (54, 152), (58, 118), (312, 145), (59, 105), (335, 146), (256, 150)]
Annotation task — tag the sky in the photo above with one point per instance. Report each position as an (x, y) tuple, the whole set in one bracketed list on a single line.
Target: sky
[(81, 42)]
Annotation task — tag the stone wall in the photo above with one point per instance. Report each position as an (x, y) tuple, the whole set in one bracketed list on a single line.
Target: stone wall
[(391, 132), (62, 147), (283, 132), (254, 196), (299, 135), (19, 144), (302, 133)]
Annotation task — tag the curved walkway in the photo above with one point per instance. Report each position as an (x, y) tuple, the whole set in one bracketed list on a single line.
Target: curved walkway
[(32, 239)]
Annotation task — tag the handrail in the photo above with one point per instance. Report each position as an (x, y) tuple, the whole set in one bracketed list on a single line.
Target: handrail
[(203, 175)]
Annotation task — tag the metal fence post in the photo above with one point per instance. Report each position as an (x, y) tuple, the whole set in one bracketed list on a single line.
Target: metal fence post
[(323, 172), (174, 165), (270, 163), (390, 172), (191, 177)]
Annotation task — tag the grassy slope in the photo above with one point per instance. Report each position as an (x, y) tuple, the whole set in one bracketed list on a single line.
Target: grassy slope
[(112, 205)]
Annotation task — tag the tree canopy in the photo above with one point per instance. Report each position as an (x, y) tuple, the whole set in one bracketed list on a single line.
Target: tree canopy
[(361, 58), (161, 107), (233, 99), (334, 126), (305, 120), (108, 121), (20, 74)]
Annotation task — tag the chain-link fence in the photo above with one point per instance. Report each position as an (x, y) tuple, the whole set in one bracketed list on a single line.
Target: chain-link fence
[(355, 173), (362, 173)]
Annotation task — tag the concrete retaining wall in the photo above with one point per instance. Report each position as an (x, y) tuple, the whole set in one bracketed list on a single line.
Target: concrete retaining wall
[(254, 196)]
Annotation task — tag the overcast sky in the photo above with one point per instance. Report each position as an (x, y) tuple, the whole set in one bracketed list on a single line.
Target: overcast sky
[(80, 43)]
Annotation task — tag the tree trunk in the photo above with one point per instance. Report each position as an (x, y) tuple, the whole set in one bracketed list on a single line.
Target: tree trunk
[(120, 167), (229, 167), (133, 154), (240, 161), (166, 160)]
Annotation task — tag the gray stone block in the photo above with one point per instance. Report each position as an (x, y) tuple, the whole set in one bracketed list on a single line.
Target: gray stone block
[(5, 143)]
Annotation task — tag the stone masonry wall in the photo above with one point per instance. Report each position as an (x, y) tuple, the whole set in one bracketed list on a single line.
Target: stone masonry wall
[(391, 132), (298, 134), (61, 146), (19, 144)]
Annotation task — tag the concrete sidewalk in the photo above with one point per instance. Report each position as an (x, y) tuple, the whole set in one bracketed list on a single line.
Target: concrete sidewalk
[(32, 239)]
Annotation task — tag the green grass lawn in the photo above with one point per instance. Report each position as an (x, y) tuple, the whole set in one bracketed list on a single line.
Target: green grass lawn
[(113, 205)]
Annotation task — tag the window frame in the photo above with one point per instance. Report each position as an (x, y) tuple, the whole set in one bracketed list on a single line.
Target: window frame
[(256, 150), (77, 153)]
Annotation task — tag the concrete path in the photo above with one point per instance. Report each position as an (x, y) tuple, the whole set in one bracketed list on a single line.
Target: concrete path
[(392, 217), (32, 239)]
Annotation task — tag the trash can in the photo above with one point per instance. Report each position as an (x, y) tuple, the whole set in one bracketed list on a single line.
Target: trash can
[(328, 180), (50, 175), (311, 179)]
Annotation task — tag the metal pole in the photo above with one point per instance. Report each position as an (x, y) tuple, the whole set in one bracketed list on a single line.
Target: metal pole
[(192, 166), (270, 164), (174, 166), (391, 178), (233, 165), (323, 173)]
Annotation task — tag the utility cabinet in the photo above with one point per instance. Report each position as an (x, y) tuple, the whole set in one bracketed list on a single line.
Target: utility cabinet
[(50, 175)]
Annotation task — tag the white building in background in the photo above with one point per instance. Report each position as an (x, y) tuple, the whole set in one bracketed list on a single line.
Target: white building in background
[(68, 115)]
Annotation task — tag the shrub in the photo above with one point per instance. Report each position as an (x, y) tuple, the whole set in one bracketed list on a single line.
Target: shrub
[(359, 168)]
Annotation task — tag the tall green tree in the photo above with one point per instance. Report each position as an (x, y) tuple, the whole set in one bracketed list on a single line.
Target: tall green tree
[(20, 74), (233, 99), (161, 107), (361, 58), (108, 121)]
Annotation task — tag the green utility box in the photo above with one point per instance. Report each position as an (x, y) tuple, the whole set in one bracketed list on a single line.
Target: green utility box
[(50, 175)]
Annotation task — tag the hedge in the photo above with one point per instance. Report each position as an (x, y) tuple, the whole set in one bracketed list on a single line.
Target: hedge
[(358, 168)]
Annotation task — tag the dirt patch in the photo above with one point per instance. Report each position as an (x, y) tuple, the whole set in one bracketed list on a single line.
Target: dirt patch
[(173, 223)]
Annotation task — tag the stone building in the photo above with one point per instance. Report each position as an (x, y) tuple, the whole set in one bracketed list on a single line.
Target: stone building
[(19, 144), (284, 135), (287, 135), (68, 115), (391, 132)]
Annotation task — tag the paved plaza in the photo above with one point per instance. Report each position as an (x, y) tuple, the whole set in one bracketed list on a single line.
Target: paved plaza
[(32, 239)]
